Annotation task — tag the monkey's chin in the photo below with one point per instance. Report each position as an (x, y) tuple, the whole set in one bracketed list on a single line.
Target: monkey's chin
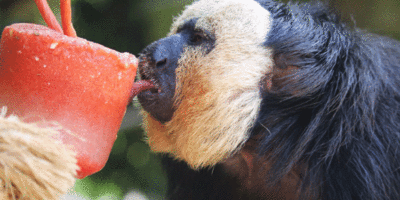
[(157, 103)]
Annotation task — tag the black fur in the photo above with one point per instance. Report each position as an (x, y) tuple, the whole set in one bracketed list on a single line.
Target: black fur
[(338, 116), (341, 116)]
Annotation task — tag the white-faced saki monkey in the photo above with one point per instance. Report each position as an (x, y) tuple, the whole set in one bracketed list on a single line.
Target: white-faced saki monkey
[(256, 99)]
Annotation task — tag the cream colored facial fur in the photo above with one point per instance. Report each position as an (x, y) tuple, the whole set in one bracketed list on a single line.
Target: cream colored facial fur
[(217, 95)]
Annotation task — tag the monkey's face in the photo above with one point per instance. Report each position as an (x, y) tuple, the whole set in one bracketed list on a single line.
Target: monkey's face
[(208, 74)]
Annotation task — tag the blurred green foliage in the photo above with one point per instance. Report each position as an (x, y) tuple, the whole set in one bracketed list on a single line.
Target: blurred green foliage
[(129, 26)]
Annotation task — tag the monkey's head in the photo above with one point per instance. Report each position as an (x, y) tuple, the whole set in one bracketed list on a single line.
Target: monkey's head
[(211, 74)]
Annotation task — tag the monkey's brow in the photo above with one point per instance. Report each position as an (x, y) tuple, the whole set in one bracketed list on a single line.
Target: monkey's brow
[(188, 25)]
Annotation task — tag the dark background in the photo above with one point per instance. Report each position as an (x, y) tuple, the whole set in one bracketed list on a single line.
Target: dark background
[(132, 172)]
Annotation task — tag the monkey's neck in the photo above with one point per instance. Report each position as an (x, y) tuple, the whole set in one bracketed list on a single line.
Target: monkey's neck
[(251, 174)]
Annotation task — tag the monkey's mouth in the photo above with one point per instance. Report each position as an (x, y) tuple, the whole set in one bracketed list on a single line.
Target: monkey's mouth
[(143, 85), (157, 98), (155, 85)]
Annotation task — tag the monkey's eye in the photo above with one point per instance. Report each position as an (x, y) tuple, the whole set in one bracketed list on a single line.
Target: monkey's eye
[(197, 38)]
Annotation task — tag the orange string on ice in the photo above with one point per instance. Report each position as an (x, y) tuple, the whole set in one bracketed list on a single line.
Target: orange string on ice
[(51, 21), (66, 18), (48, 15)]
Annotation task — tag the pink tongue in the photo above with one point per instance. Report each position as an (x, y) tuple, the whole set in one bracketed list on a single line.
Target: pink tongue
[(140, 86)]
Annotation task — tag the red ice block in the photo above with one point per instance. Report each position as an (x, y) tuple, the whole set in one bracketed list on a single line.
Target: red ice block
[(83, 86)]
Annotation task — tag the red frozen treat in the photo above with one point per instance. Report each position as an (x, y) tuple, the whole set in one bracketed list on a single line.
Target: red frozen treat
[(83, 86)]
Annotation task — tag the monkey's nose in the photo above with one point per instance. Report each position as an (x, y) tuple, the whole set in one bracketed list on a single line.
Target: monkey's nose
[(161, 63), (167, 51)]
